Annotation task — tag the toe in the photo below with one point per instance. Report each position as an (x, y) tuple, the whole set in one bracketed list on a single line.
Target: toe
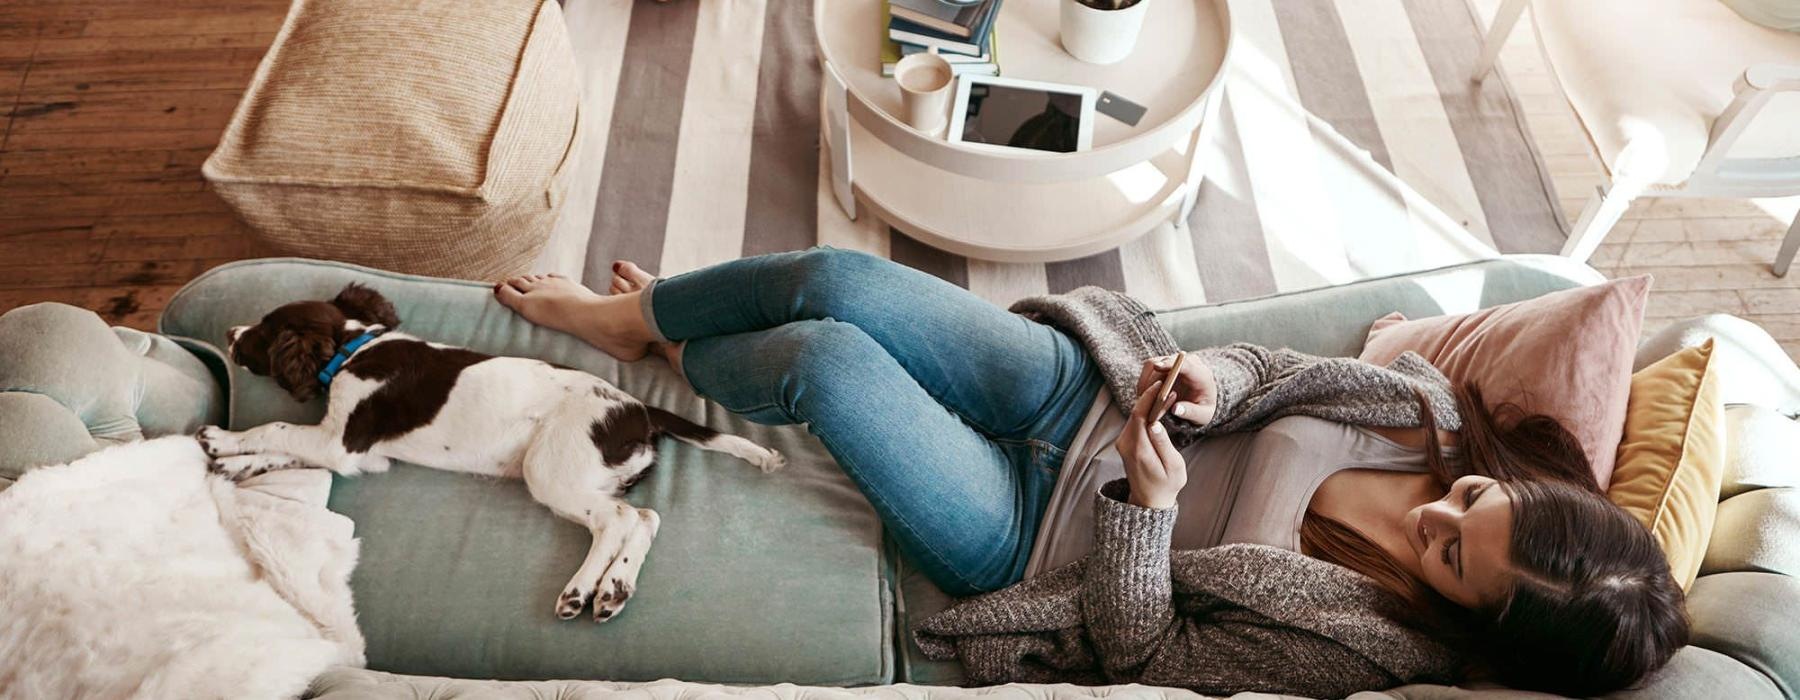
[(570, 603), (632, 273)]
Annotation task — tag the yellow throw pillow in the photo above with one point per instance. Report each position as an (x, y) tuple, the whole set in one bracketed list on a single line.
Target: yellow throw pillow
[(1672, 458)]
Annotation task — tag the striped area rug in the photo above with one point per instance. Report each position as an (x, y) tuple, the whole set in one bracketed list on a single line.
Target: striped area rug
[(1350, 145)]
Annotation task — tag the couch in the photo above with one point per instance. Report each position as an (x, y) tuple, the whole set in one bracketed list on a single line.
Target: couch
[(758, 579)]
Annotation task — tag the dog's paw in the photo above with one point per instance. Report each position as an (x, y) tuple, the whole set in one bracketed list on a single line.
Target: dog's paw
[(372, 464), (770, 462), (206, 435), (570, 603), (218, 442), (611, 601)]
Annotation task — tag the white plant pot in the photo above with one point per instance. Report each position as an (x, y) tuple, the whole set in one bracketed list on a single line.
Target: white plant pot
[(1101, 36)]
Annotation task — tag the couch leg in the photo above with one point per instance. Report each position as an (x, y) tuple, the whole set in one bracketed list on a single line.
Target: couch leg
[(1789, 246)]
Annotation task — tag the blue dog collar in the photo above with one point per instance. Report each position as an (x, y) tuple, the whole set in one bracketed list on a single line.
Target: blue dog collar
[(343, 355)]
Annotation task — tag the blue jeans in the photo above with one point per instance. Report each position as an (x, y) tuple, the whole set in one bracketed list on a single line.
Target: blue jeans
[(951, 414)]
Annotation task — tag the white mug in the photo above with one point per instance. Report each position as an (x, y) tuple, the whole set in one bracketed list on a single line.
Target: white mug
[(925, 80)]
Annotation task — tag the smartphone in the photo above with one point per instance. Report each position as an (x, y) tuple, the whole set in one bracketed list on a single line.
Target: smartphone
[(1168, 385)]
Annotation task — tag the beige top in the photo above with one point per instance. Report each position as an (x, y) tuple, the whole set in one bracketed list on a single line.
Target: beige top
[(1250, 487)]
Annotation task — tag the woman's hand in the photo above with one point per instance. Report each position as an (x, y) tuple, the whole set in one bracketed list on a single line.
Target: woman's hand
[(1153, 467), (1196, 390)]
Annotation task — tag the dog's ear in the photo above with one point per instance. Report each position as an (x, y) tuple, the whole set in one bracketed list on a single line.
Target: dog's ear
[(295, 359), (360, 303)]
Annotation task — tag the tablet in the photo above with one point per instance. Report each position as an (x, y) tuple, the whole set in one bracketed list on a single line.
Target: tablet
[(1022, 115)]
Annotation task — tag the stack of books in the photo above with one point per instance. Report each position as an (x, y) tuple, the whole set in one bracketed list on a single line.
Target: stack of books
[(962, 33)]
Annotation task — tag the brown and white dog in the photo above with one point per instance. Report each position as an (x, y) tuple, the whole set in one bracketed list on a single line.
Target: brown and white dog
[(577, 440)]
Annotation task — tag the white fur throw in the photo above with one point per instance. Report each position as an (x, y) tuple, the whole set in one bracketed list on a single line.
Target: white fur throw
[(132, 573)]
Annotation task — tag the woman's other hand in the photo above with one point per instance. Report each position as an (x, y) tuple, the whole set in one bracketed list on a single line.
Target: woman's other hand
[(1153, 467), (1196, 390)]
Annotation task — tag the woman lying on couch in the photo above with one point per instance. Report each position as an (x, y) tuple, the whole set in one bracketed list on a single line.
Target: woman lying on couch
[(1351, 527)]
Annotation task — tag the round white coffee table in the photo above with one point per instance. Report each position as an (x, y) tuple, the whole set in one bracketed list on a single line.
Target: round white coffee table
[(1026, 207)]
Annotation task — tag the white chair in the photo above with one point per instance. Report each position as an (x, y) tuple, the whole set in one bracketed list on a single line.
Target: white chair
[(1681, 98)]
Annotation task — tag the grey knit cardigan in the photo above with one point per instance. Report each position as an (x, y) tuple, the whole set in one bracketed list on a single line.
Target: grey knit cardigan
[(1219, 620)]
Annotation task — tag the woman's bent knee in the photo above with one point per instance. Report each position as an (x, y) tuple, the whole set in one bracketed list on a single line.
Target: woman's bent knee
[(835, 281), (823, 350), (798, 370)]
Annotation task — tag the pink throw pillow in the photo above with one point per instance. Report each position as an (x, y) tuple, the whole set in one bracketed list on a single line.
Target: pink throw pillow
[(1566, 355)]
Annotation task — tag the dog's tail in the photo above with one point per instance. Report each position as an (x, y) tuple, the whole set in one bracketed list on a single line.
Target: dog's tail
[(666, 423)]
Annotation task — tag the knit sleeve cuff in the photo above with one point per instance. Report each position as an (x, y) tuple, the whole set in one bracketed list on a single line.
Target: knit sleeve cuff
[(1123, 531), (1234, 373)]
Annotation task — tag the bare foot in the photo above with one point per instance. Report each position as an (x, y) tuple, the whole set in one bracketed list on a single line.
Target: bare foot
[(627, 278), (612, 323)]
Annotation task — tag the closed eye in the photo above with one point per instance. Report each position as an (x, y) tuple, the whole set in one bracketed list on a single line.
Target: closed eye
[(1470, 496)]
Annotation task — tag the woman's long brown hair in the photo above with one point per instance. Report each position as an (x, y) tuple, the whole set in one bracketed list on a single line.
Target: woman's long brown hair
[(1592, 608), (1505, 444)]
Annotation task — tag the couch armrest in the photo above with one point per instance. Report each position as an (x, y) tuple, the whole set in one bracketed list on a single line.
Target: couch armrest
[(1755, 370), (71, 385)]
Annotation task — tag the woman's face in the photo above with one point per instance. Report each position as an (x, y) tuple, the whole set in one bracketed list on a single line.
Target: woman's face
[(1464, 541)]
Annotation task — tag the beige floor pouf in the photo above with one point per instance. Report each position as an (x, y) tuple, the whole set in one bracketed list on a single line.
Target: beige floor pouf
[(423, 136)]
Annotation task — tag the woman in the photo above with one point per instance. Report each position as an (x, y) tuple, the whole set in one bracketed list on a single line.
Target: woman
[(958, 421)]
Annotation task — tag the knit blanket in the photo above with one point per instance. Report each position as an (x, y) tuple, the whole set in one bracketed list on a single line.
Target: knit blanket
[(133, 573)]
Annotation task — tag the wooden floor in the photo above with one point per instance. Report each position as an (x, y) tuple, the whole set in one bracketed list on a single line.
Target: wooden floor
[(115, 104)]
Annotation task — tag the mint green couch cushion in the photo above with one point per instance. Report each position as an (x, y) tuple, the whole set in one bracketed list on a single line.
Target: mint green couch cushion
[(70, 385), (1753, 617), (1698, 672), (1692, 673), (918, 599), (1756, 531), (1331, 321), (754, 578)]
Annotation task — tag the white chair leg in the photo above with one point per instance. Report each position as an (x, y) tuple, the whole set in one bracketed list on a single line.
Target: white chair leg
[(1789, 246), (1504, 19), (1597, 219)]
